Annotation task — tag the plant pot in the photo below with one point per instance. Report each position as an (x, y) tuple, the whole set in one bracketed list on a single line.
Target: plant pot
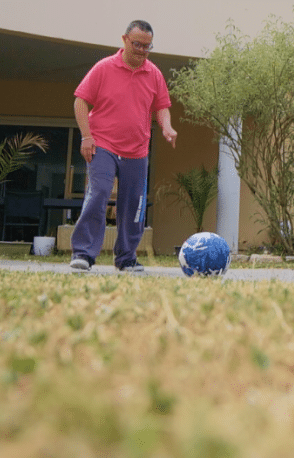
[(177, 250), (43, 246)]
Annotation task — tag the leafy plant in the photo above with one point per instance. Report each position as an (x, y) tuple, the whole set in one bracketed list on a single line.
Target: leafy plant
[(248, 86), (15, 152), (196, 189)]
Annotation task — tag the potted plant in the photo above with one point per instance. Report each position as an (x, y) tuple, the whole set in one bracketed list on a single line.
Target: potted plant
[(15, 152), (193, 190)]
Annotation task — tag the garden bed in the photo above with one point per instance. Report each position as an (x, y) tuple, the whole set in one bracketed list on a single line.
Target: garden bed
[(14, 248)]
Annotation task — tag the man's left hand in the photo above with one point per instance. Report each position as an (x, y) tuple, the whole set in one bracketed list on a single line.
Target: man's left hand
[(170, 135)]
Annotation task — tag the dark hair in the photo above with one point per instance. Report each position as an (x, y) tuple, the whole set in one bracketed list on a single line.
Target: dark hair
[(142, 25)]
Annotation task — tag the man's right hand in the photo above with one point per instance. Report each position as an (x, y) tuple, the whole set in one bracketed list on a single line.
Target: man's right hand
[(88, 149)]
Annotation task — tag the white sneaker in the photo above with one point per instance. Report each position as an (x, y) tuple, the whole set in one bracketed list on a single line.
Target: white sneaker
[(133, 266), (80, 263)]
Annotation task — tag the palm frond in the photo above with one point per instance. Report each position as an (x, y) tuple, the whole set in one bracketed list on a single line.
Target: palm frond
[(15, 152), (201, 187), (196, 189)]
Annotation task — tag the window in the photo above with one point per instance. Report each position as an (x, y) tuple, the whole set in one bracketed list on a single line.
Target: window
[(50, 172)]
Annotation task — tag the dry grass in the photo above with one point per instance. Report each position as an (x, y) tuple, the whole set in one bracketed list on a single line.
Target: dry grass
[(130, 367)]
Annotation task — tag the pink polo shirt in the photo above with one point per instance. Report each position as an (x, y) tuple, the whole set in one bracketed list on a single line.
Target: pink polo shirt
[(123, 101)]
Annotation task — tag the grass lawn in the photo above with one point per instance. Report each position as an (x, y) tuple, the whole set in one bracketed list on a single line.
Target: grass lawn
[(103, 259), (138, 367), (158, 260)]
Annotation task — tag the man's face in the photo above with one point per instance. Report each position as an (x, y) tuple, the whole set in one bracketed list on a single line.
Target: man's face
[(136, 57)]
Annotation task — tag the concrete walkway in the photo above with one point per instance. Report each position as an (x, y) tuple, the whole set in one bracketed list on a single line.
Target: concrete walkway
[(251, 274)]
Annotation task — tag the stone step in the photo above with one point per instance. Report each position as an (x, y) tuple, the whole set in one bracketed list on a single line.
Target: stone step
[(265, 258)]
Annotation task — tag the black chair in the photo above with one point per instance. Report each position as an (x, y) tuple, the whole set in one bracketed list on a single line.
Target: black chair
[(23, 210)]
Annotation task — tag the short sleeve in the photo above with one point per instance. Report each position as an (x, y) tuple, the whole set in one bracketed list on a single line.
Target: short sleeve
[(162, 98), (88, 89)]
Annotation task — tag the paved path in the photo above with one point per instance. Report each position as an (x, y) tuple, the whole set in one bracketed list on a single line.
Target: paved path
[(250, 274)]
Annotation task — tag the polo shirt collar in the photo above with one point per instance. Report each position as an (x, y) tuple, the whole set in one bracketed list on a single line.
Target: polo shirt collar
[(118, 60)]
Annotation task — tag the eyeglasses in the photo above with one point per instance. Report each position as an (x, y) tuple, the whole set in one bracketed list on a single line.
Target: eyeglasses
[(137, 45)]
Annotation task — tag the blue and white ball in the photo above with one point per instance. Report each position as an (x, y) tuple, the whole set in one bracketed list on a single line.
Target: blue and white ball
[(205, 254)]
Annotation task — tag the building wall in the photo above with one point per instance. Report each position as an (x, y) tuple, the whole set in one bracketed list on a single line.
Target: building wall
[(33, 98), (252, 233)]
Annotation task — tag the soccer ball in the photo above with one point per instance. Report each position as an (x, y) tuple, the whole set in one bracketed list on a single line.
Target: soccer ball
[(205, 254)]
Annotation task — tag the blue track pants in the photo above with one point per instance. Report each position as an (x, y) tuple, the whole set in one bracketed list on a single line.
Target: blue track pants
[(88, 235)]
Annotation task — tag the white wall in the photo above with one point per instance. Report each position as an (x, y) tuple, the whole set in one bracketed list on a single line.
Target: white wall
[(181, 27)]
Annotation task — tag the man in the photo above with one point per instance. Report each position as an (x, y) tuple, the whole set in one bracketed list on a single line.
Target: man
[(113, 109)]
